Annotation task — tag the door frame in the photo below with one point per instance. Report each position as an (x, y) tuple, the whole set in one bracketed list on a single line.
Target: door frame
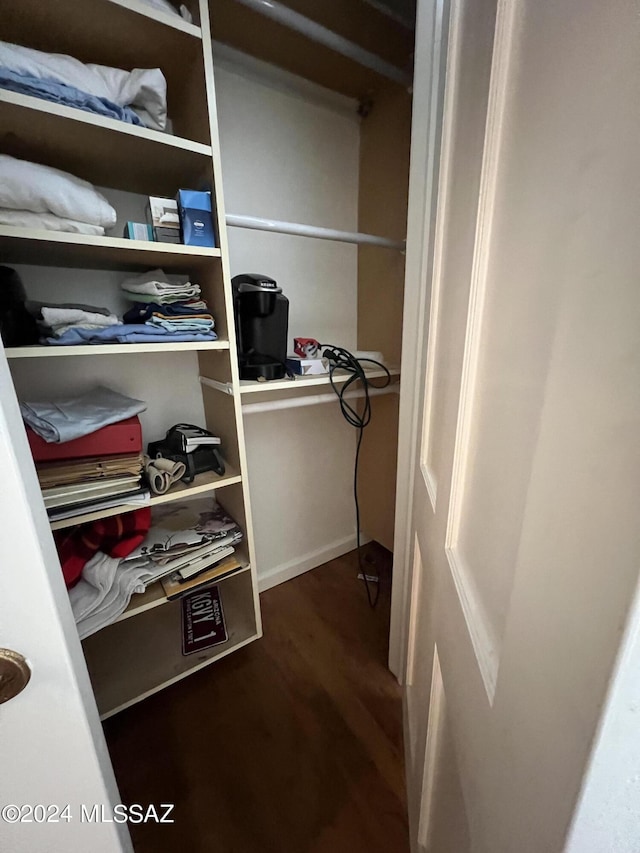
[(432, 27)]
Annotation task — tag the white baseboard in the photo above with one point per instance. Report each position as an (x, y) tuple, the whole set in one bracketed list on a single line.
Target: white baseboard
[(306, 562)]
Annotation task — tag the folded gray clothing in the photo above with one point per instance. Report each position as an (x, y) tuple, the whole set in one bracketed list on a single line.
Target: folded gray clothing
[(65, 317), (35, 308), (72, 417)]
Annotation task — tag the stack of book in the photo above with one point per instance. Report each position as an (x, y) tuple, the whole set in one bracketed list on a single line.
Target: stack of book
[(95, 472), (190, 544)]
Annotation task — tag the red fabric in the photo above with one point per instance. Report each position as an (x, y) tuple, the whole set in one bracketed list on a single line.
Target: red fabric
[(117, 536)]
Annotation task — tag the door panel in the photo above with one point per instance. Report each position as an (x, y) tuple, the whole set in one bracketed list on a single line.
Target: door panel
[(467, 87), (52, 749), (443, 826), (525, 519)]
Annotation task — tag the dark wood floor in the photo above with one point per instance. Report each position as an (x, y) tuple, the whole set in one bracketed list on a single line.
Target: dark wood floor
[(292, 745)]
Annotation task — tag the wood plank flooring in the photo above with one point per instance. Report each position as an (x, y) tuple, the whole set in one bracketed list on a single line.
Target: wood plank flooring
[(292, 745)]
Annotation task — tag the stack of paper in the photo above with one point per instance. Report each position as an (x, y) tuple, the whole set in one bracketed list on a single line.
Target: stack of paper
[(75, 486), (186, 539)]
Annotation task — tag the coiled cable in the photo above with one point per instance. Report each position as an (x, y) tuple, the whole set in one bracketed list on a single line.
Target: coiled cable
[(340, 359)]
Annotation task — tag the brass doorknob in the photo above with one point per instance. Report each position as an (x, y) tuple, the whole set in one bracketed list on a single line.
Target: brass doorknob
[(14, 674)]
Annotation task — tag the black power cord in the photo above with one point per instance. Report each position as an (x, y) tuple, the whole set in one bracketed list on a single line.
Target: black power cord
[(341, 359)]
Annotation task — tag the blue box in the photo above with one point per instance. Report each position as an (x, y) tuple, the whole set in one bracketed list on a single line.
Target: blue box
[(196, 219), (138, 231)]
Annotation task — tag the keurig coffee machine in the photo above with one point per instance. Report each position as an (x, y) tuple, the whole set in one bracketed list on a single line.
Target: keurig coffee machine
[(262, 321)]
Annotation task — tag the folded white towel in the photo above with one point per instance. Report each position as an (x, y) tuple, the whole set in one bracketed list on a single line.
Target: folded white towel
[(48, 222), (143, 89), (153, 288), (156, 282), (41, 189), (104, 591), (165, 6), (56, 317)]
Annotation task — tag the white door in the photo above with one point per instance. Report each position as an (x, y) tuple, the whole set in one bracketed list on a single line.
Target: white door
[(53, 756), (522, 544)]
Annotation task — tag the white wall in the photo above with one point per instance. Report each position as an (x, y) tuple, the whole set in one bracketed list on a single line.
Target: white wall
[(290, 151)]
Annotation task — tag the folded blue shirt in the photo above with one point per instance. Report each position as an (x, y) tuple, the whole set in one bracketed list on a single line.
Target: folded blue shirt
[(179, 326), (143, 311), (131, 333), (61, 93)]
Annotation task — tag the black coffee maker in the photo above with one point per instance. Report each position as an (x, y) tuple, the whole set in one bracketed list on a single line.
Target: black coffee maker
[(262, 322)]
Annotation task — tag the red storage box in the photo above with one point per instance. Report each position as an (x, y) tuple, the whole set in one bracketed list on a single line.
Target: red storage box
[(123, 437)]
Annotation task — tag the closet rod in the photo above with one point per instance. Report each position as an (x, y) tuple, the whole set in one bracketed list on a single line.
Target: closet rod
[(299, 230), (312, 400), (316, 32)]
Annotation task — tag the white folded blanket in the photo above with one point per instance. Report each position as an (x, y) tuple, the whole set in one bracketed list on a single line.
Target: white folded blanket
[(48, 222), (41, 189), (104, 591), (143, 89)]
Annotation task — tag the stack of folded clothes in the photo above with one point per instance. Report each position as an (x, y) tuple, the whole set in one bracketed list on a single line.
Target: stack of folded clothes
[(36, 196), (88, 451), (55, 319), (136, 97), (163, 312), (167, 307)]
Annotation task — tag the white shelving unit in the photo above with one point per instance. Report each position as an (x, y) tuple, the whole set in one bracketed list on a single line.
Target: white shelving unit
[(141, 652)]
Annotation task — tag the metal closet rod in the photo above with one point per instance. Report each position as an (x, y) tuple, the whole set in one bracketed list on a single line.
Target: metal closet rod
[(312, 400), (316, 32), (299, 230)]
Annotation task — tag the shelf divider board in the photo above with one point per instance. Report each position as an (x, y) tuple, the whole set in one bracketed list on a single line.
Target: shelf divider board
[(113, 349), (299, 384), (134, 658), (62, 249), (145, 31), (154, 596), (202, 484), (104, 151), (237, 499)]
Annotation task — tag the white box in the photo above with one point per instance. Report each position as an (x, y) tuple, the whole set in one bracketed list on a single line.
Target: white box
[(307, 366), (163, 212)]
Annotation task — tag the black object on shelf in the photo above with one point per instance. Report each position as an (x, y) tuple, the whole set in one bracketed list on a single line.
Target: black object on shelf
[(17, 327), (192, 445), (262, 323)]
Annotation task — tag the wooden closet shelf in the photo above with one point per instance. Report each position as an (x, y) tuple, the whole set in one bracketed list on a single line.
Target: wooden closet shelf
[(202, 484), (105, 151), (154, 596), (134, 658), (113, 349), (300, 383), (121, 33), (61, 249), (150, 13)]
